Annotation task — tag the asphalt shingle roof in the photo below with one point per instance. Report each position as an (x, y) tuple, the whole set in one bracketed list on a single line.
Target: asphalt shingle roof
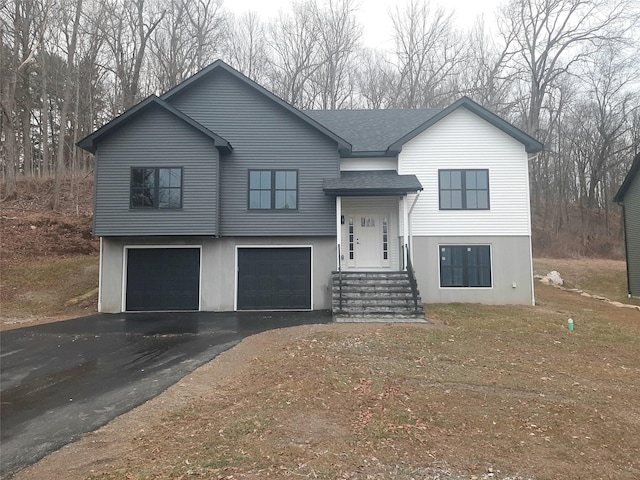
[(378, 182), (371, 130)]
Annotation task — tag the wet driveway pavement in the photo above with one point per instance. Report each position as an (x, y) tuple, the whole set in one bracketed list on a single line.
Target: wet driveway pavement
[(60, 380)]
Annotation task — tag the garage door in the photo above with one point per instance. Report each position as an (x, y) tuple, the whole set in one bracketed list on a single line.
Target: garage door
[(163, 279), (274, 278)]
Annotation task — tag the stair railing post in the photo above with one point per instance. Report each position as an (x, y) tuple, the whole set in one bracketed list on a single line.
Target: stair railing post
[(412, 278), (339, 279)]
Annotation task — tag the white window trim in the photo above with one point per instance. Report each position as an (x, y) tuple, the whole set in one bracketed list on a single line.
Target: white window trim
[(125, 257)]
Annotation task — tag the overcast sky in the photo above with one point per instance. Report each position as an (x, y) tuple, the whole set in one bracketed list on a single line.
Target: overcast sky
[(373, 14)]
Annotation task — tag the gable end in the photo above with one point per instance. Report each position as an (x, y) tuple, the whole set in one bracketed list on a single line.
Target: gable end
[(343, 146), (90, 142), (530, 143)]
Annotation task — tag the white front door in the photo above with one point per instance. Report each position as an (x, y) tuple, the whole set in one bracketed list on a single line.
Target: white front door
[(368, 241)]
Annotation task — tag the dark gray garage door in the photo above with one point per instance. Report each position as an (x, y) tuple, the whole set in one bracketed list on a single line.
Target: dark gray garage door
[(274, 278), (163, 279)]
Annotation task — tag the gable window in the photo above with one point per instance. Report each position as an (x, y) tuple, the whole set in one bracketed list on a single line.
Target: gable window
[(156, 187), (273, 189), (464, 189), (465, 266)]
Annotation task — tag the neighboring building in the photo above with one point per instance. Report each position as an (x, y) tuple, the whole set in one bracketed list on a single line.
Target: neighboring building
[(629, 198), (220, 196)]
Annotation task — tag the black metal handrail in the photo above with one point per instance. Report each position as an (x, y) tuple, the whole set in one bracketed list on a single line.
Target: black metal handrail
[(412, 278), (339, 278)]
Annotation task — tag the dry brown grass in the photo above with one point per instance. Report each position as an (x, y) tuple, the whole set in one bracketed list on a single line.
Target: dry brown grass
[(603, 277), (37, 290), (503, 389)]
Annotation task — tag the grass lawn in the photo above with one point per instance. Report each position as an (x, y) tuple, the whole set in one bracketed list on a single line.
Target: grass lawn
[(596, 276), (500, 392), (40, 288), (507, 391)]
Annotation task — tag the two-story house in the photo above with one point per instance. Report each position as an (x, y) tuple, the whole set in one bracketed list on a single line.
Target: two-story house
[(220, 196)]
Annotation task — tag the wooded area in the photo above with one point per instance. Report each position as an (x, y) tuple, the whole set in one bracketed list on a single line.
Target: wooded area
[(565, 71)]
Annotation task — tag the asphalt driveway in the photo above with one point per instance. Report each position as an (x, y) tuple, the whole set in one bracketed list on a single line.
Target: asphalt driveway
[(61, 380)]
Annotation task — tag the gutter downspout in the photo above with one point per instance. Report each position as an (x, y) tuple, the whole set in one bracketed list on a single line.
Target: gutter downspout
[(100, 279), (409, 227), (533, 289), (338, 231), (626, 248)]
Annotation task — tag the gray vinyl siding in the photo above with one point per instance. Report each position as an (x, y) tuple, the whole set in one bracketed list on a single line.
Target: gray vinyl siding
[(632, 232), (264, 135), (156, 139)]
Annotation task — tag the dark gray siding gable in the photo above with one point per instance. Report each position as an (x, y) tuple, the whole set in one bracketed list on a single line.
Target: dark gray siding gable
[(632, 232), (264, 135), (156, 139)]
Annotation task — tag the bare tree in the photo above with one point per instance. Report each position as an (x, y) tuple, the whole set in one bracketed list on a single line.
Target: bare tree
[(73, 13), (292, 39), (428, 52), (338, 43), (127, 32), (186, 39), (552, 39), (554, 36), (377, 80), (246, 47), (487, 76), (609, 102), (22, 27)]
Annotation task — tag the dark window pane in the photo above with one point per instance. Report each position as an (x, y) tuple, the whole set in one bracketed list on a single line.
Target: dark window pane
[(291, 199), (445, 179), (175, 201), (483, 199), (465, 266), (265, 199), (254, 180), (137, 177), (456, 179), (164, 176), (149, 177), (148, 197), (265, 180), (483, 179), (292, 180), (472, 199), (471, 178), (254, 199), (456, 199), (445, 199), (163, 198), (156, 187)]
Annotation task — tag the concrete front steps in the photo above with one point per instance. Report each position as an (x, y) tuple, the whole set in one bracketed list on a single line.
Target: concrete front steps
[(381, 296)]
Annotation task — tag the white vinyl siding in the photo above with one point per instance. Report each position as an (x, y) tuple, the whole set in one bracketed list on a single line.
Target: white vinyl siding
[(462, 140), (375, 163)]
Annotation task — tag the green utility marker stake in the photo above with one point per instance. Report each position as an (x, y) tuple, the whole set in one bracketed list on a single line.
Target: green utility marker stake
[(570, 324)]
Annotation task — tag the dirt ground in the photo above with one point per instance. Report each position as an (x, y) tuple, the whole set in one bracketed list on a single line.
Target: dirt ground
[(511, 395)]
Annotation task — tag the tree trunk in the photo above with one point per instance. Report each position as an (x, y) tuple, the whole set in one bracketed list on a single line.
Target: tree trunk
[(64, 113)]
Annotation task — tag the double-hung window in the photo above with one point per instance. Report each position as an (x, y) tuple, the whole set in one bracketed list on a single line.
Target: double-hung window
[(273, 189), (465, 266), (156, 187), (464, 189)]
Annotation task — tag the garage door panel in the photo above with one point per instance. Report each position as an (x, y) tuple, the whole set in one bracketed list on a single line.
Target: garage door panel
[(163, 279), (274, 278)]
